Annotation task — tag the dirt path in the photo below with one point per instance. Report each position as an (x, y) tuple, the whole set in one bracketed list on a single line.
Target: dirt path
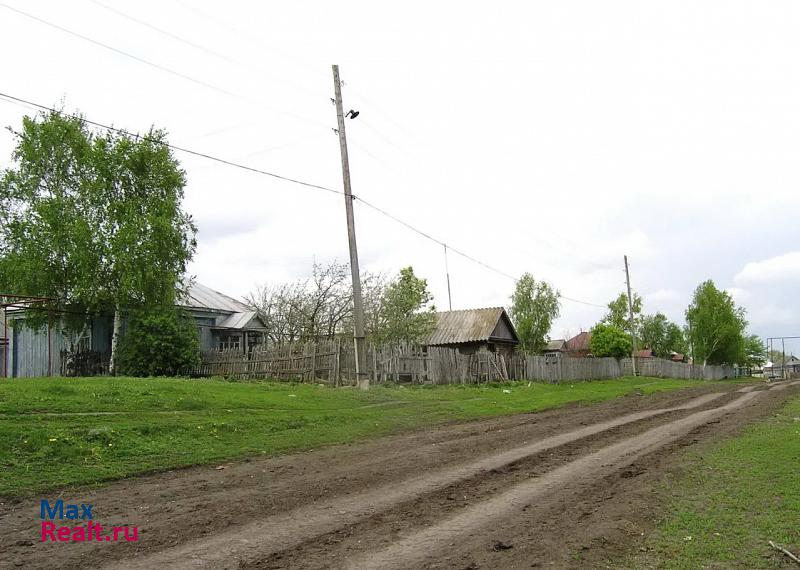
[(552, 488)]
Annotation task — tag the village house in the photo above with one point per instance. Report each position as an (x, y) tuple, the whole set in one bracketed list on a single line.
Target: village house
[(578, 346), (223, 323), (788, 369), (474, 330), (555, 348)]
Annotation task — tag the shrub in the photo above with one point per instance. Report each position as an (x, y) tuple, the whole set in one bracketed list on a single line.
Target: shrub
[(159, 343), (608, 340)]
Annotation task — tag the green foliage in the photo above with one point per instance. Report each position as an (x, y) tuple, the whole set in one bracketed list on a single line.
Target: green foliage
[(48, 441), (608, 340), (755, 351), (618, 314), (145, 238), (534, 307), (47, 244), (405, 312), (92, 221), (662, 336), (159, 343), (716, 326)]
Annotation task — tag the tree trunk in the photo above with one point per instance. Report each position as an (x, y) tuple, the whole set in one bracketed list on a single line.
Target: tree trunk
[(112, 365)]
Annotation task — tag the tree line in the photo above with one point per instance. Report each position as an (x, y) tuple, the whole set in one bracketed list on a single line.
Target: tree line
[(715, 331)]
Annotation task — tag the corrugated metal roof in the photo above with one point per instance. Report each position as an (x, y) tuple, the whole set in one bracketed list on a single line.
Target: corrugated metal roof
[(470, 325), (202, 297), (239, 320)]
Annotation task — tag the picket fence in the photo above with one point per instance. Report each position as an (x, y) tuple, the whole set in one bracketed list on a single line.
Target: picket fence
[(333, 363)]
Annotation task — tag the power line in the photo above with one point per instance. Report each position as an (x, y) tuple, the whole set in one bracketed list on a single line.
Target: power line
[(175, 147), (25, 102), (155, 65), (195, 45)]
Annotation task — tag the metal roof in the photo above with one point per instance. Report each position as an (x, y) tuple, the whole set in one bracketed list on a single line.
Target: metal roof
[(239, 321), (471, 325), (202, 297), (557, 344), (579, 341)]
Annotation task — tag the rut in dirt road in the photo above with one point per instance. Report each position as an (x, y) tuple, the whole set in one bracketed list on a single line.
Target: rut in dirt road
[(408, 552), (286, 530)]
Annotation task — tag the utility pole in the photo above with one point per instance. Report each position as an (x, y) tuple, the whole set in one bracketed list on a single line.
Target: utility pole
[(358, 305), (630, 316), (447, 271)]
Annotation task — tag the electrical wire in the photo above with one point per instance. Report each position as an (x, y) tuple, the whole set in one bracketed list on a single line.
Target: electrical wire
[(160, 67), (200, 47), (24, 102)]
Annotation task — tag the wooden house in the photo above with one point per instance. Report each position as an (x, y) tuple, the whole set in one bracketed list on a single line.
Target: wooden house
[(223, 323), (474, 330)]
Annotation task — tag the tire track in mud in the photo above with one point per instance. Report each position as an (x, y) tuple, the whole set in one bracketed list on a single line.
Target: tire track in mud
[(283, 531), (411, 550)]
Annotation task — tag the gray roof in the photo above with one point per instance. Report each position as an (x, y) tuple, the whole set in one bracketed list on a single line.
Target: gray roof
[(240, 321), (471, 325), (554, 345), (202, 297)]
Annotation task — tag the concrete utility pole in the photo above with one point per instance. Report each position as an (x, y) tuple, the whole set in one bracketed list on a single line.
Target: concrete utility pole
[(358, 305), (630, 316)]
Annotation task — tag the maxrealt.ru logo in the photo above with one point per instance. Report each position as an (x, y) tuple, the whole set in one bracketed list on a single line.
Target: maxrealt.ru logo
[(86, 530)]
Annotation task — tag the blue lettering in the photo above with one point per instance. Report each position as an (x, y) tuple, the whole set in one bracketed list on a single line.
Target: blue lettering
[(58, 508)]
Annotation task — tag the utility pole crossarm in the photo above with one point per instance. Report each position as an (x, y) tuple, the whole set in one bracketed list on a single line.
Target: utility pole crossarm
[(358, 305)]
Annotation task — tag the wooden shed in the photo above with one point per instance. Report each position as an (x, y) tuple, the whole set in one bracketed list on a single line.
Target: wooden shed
[(472, 330)]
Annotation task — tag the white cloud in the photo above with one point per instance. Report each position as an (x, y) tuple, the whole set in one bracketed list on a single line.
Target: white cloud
[(784, 267)]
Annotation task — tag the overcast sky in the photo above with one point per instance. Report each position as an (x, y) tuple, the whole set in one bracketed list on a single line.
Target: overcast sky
[(549, 137)]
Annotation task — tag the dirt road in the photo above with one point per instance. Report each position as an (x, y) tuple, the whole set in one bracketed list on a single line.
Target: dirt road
[(572, 487)]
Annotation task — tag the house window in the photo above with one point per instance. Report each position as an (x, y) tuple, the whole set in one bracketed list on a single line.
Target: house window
[(230, 341), (84, 341)]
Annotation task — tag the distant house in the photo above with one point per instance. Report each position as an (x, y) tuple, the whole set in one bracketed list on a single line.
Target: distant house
[(223, 323), (578, 346), (677, 357), (473, 330), (776, 370), (644, 353), (555, 347)]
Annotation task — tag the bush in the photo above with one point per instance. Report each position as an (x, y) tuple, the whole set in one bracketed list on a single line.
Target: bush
[(163, 343), (608, 340)]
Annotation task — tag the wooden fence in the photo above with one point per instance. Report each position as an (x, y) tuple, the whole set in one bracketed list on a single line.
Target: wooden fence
[(333, 363)]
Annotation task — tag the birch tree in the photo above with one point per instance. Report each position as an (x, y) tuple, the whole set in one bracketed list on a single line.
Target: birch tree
[(534, 307), (146, 239), (716, 326)]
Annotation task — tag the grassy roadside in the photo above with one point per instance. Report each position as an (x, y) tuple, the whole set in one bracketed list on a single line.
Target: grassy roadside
[(733, 501), (68, 431)]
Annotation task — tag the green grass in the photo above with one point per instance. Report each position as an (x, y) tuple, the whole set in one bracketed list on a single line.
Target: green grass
[(733, 501), (68, 431)]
